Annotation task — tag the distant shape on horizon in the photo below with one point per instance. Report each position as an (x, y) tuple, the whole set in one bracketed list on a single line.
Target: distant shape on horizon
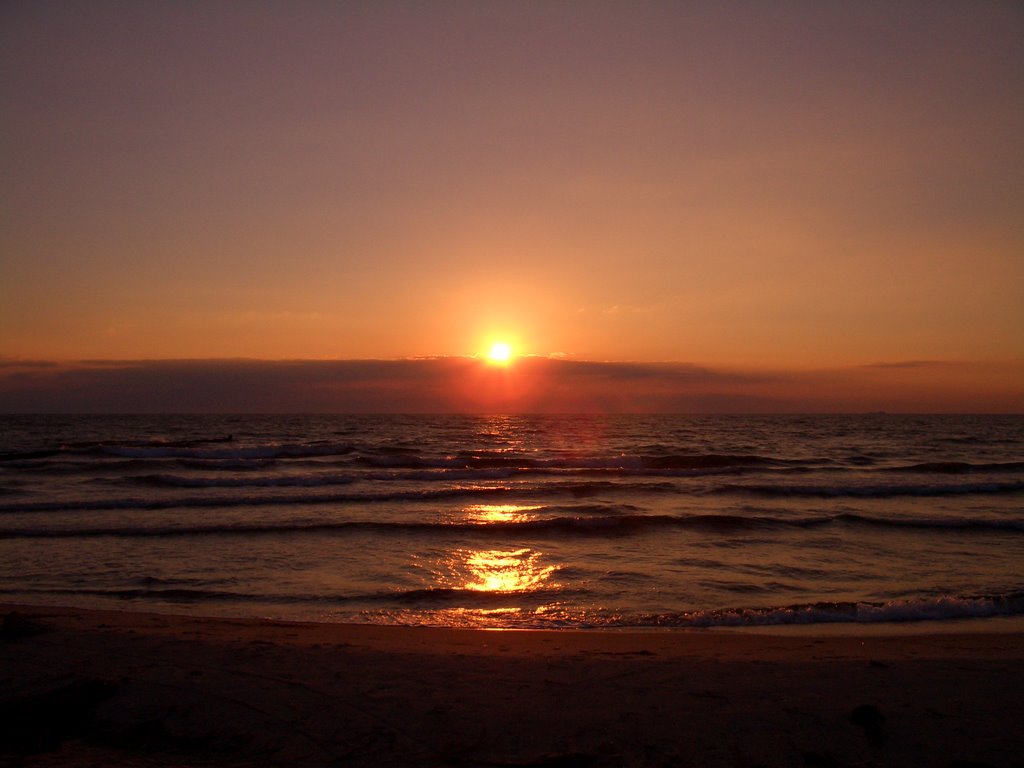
[(501, 382)]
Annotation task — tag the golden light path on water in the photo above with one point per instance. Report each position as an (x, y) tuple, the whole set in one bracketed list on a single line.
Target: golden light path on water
[(498, 513), (513, 572), (497, 570)]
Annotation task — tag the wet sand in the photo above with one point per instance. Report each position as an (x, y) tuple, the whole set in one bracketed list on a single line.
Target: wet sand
[(91, 688)]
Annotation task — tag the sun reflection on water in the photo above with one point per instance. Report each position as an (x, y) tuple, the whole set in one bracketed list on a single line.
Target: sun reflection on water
[(496, 570), (499, 513), (492, 588)]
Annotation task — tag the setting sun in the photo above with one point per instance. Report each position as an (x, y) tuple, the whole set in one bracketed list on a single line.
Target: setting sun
[(500, 352)]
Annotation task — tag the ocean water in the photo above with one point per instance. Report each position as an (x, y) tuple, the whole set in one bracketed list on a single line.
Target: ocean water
[(518, 521)]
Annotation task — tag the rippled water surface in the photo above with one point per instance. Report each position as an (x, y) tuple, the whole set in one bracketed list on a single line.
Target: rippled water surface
[(518, 521)]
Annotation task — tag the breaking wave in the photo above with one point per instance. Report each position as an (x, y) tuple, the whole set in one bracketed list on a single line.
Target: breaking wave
[(442, 599), (595, 520), (920, 609), (872, 491)]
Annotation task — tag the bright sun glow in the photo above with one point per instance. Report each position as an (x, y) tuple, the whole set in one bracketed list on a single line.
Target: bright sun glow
[(496, 570), (500, 352)]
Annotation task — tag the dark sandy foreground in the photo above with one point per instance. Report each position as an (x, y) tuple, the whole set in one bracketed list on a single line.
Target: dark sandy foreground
[(97, 688)]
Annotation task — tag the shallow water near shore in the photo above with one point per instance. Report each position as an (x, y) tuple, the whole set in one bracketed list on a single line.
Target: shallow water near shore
[(519, 521)]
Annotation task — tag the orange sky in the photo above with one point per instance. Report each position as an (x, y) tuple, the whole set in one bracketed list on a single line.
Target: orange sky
[(794, 187)]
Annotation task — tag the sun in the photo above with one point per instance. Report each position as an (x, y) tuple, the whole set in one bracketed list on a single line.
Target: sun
[(500, 353)]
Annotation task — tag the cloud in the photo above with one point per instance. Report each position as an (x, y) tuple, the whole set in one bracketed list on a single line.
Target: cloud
[(12, 362), (465, 384), (913, 364)]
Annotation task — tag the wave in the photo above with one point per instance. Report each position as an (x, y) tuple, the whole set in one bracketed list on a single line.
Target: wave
[(217, 449), (97, 505), (19, 456), (331, 464), (487, 460), (467, 598), (433, 605), (269, 451), (87, 466), (958, 467), (313, 479), (208, 449), (595, 524), (588, 520), (272, 481), (171, 594), (941, 608), (485, 492), (872, 491), (100, 446), (427, 596), (935, 523)]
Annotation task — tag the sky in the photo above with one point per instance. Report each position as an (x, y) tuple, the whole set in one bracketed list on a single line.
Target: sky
[(761, 206)]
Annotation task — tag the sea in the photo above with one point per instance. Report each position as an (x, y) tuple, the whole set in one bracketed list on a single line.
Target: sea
[(541, 522)]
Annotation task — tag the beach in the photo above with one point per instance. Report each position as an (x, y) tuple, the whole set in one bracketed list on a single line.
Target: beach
[(88, 687)]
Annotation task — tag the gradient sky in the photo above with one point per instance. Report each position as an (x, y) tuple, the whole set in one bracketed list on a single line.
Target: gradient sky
[(786, 187)]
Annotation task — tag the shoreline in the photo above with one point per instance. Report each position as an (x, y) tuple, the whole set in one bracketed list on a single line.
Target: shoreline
[(139, 688), (994, 624), (986, 625)]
